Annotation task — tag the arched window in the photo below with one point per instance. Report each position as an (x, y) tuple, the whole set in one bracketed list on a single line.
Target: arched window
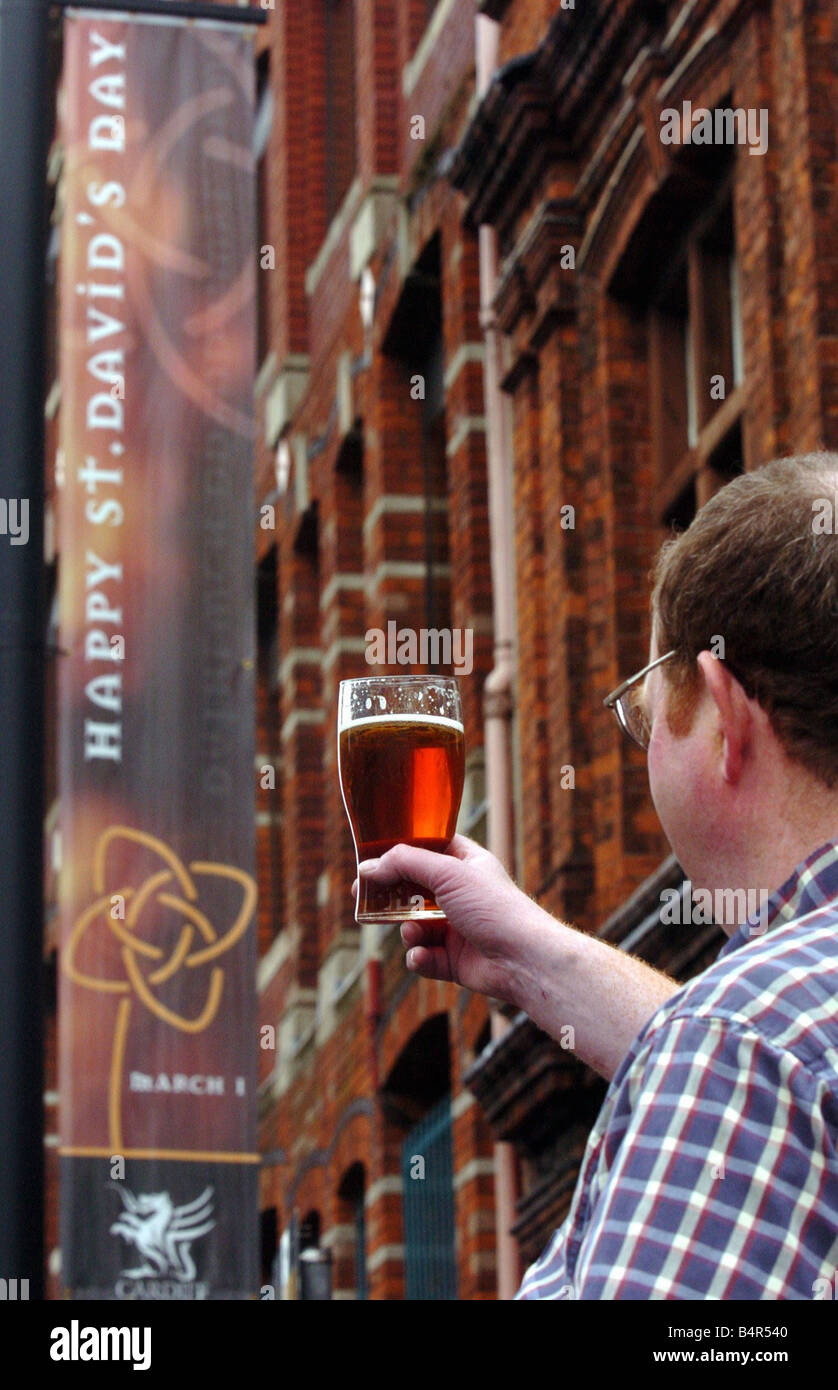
[(417, 1096), (352, 1193), (309, 1237)]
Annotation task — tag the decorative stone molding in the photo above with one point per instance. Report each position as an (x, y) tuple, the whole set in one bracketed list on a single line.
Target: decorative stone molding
[(337, 227), (340, 968), (285, 395), (555, 228), (510, 140), (294, 1031), (372, 222)]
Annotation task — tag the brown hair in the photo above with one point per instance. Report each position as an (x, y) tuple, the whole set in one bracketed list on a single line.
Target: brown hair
[(759, 568)]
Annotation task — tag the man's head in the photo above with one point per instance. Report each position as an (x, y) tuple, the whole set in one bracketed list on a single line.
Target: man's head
[(754, 580)]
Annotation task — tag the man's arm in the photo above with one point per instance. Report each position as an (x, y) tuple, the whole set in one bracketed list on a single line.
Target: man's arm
[(567, 977), (497, 941)]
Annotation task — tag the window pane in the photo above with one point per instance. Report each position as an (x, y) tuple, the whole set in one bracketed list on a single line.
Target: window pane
[(428, 1194), (716, 315)]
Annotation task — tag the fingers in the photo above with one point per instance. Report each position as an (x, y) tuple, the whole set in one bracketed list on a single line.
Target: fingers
[(407, 862), (461, 847), (423, 931), (420, 866), (428, 954), (430, 961)]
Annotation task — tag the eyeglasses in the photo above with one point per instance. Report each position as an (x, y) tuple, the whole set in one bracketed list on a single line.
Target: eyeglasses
[(627, 704)]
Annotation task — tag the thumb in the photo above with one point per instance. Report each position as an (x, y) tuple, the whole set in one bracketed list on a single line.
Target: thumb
[(422, 866)]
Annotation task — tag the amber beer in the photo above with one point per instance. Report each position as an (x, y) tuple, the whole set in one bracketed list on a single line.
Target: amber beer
[(401, 776)]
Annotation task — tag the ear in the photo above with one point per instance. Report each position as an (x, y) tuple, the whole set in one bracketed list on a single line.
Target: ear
[(732, 710)]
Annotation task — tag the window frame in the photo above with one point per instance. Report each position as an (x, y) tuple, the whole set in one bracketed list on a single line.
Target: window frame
[(709, 433)]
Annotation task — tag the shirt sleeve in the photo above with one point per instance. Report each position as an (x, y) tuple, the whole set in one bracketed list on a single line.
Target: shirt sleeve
[(717, 1176)]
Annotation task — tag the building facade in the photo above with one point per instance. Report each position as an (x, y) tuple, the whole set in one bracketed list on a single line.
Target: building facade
[(664, 316), (373, 469), (667, 306)]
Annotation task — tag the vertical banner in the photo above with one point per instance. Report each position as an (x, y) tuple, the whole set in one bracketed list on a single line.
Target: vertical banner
[(157, 1009)]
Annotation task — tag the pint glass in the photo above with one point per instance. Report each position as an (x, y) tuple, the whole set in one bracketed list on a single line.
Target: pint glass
[(401, 764)]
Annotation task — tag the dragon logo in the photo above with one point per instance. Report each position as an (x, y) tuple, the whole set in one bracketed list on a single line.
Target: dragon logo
[(162, 1232)]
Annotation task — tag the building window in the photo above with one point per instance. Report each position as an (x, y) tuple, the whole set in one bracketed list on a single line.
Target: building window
[(415, 338), (416, 1098), (340, 102), (269, 1244), (697, 368), (352, 1194), (309, 1232), (430, 1263), (360, 1224)]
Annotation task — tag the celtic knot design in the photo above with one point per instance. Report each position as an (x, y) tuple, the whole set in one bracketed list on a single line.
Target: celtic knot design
[(146, 965)]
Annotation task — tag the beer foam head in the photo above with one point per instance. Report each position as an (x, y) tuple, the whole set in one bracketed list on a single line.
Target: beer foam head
[(411, 718)]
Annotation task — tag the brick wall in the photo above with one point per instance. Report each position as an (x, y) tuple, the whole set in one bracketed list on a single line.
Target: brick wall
[(363, 516), (563, 154)]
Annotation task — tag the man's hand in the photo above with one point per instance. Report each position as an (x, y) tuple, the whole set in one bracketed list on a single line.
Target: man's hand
[(479, 943), (497, 941)]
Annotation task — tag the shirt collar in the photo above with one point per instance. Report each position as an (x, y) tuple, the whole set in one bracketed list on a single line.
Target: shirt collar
[(812, 884)]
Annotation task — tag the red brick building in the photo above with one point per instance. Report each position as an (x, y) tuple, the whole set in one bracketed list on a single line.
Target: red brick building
[(378, 485), (661, 316), (689, 335)]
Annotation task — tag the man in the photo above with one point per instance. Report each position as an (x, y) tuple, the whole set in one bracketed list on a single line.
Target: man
[(711, 1171)]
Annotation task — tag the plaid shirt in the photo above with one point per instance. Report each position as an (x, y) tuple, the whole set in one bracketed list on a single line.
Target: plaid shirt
[(712, 1170)]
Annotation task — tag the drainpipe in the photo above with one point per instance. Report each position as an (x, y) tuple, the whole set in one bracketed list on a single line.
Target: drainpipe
[(498, 689)]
